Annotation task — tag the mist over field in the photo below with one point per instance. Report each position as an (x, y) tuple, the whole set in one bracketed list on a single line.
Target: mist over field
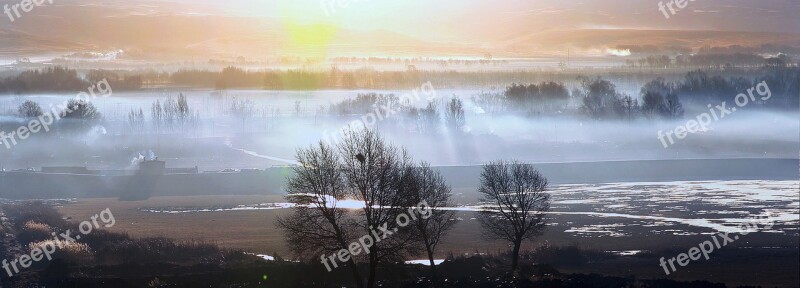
[(276, 129)]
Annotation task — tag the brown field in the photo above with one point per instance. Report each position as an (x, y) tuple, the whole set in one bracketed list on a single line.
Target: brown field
[(252, 231), (247, 230), (255, 231)]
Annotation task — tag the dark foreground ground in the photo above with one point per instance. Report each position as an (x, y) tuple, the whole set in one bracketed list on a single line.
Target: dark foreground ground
[(119, 260), (161, 249)]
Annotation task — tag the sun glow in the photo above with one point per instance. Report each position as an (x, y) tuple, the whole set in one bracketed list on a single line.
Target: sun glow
[(311, 40)]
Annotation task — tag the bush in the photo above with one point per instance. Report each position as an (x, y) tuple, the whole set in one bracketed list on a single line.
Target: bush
[(151, 250), (34, 211), (70, 252), (33, 231), (571, 255), (29, 109)]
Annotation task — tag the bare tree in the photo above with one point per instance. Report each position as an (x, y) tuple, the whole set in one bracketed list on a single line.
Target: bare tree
[(428, 121), (298, 110), (243, 109), (29, 109), (375, 173), (317, 225), (183, 112), (361, 167), (136, 119), (158, 114), (170, 112), (81, 109), (80, 114), (428, 185), (454, 114), (515, 193)]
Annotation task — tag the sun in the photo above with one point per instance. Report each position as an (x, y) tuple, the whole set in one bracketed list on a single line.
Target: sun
[(310, 40)]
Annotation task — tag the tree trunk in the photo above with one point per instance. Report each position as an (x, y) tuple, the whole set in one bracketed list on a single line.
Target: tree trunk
[(373, 266), (515, 256), (352, 262), (356, 275), (434, 277)]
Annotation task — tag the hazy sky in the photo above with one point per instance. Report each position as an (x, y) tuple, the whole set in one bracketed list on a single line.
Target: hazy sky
[(517, 27), (482, 18)]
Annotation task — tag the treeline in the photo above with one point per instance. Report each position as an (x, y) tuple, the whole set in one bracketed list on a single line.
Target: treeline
[(601, 100), (598, 98), (235, 78), (659, 98), (702, 86), (60, 79), (78, 115), (72, 116), (487, 60), (232, 78), (436, 115), (168, 115), (731, 49), (595, 98), (46, 80), (365, 78), (67, 80), (546, 96), (711, 60)]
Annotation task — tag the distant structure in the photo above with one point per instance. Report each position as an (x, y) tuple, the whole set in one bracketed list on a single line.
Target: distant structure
[(153, 167), (66, 170), (143, 184)]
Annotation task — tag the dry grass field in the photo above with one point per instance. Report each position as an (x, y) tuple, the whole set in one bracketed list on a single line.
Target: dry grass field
[(247, 230), (252, 231), (255, 231)]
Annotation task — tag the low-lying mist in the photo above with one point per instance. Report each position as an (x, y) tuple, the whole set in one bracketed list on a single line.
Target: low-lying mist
[(277, 123)]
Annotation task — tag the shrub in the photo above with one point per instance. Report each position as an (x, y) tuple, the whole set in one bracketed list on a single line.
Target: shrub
[(33, 211), (33, 231), (150, 250), (70, 252)]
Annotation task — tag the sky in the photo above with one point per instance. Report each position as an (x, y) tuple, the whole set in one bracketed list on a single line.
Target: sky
[(464, 19), (463, 27)]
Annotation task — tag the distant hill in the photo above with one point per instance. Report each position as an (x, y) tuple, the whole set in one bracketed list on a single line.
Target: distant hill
[(657, 40), (19, 43)]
